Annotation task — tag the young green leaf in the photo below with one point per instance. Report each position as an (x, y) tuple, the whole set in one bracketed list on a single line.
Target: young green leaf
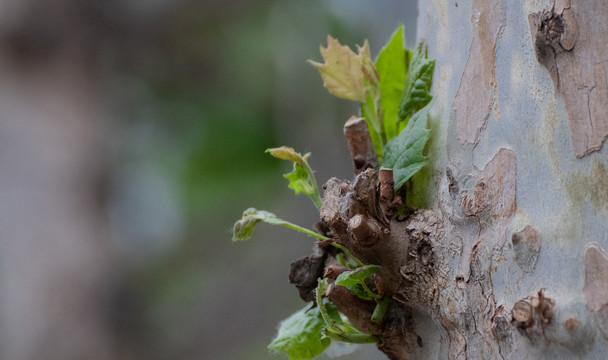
[(354, 280), (354, 76), (418, 81), (345, 74), (299, 335), (251, 217), (302, 178), (348, 278), (403, 153), (391, 65)]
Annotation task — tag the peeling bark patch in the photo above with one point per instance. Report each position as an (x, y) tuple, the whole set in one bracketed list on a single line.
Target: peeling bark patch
[(495, 189), (595, 287), (475, 95), (501, 323), (565, 43), (526, 245)]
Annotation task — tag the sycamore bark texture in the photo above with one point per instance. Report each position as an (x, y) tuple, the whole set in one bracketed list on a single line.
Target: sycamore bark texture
[(517, 184)]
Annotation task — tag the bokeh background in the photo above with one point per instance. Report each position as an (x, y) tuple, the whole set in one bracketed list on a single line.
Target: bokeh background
[(132, 136)]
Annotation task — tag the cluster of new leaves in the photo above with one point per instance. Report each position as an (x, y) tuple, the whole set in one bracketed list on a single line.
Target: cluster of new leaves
[(394, 92), (308, 332), (391, 91)]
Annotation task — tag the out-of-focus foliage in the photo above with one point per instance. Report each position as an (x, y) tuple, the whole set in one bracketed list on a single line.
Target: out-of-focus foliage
[(201, 90)]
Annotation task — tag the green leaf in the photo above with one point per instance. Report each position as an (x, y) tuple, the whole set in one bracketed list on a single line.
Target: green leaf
[(403, 153), (243, 228), (355, 281), (353, 277), (299, 180), (299, 335), (392, 65), (416, 93), (251, 217), (302, 178), (345, 74)]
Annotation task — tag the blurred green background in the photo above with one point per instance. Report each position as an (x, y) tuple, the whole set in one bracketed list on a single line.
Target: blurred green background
[(132, 137), (201, 90)]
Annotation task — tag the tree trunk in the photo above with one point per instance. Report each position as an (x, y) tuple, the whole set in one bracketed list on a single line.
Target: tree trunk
[(504, 256)]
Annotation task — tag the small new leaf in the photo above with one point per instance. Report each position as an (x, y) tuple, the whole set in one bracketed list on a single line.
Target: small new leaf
[(251, 217), (355, 281), (392, 65), (345, 74), (301, 179), (418, 81), (299, 335), (403, 153)]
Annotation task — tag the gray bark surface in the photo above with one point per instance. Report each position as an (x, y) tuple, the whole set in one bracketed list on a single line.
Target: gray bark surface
[(522, 195)]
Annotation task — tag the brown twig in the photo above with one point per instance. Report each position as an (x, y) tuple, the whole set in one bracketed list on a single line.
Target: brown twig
[(360, 144)]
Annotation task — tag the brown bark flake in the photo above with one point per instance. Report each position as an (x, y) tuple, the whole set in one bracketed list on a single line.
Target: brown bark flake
[(495, 188), (565, 43), (475, 95), (526, 245), (595, 287)]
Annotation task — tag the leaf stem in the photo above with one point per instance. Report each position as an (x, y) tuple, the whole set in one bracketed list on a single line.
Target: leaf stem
[(304, 230), (319, 292), (368, 291), (316, 198), (348, 253), (380, 310), (370, 110), (339, 335)]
